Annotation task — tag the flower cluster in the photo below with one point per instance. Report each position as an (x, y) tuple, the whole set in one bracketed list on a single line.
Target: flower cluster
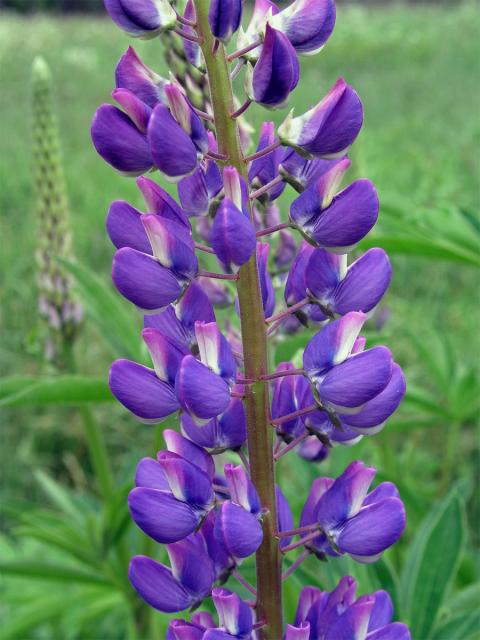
[(225, 248)]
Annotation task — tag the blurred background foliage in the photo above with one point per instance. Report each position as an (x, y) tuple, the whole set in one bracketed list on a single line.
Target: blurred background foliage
[(66, 533)]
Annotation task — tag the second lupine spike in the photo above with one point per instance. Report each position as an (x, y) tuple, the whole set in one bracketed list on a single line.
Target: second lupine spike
[(58, 307)]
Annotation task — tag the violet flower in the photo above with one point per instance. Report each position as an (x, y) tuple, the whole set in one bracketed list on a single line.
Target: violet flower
[(228, 243), (141, 18), (328, 129)]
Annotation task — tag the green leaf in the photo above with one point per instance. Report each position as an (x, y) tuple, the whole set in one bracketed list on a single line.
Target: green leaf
[(463, 627), (114, 320), (387, 579), (64, 390), (422, 248), (10, 385), (59, 495), (32, 615), (431, 564), (48, 571), (465, 600)]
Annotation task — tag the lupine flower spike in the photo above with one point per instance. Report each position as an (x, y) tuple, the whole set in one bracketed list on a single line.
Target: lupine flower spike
[(61, 312), (227, 247)]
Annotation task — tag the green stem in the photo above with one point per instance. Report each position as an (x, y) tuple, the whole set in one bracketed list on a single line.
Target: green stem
[(254, 338)]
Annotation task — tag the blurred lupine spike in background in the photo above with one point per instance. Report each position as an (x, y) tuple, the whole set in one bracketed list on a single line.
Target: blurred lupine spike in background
[(60, 311)]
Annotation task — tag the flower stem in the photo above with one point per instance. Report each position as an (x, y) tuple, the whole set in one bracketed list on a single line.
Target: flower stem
[(291, 445), (266, 187), (260, 435), (288, 311), (263, 152), (295, 564), (294, 414)]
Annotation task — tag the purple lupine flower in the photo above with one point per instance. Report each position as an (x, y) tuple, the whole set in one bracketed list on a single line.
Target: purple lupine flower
[(275, 74), (232, 236), (133, 74), (369, 421), (223, 562), (125, 228), (200, 391), (141, 18), (344, 380), (328, 129), (338, 614), (217, 291), (125, 223), (338, 289), (224, 18), (119, 142), (288, 393), (342, 224), (226, 431), (353, 521), (140, 390), (176, 135), (141, 279), (237, 526), (172, 515), (176, 588), (301, 172), (160, 202), (263, 10), (296, 288), (264, 170), (178, 323), (235, 616), (191, 49), (266, 284), (199, 192), (307, 24)]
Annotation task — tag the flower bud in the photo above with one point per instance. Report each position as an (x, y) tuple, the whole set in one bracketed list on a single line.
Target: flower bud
[(142, 18), (119, 141), (232, 236), (275, 74), (328, 129), (262, 12), (132, 74), (224, 18), (307, 24)]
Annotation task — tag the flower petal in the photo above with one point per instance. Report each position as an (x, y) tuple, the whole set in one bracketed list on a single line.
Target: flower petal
[(161, 516), (201, 392), (332, 344), (187, 481), (141, 392), (176, 443), (358, 379), (119, 142), (155, 584), (375, 413), (374, 529), (133, 74), (232, 236), (364, 284), (143, 280), (238, 530), (150, 474), (233, 613), (124, 226), (345, 497), (172, 149)]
